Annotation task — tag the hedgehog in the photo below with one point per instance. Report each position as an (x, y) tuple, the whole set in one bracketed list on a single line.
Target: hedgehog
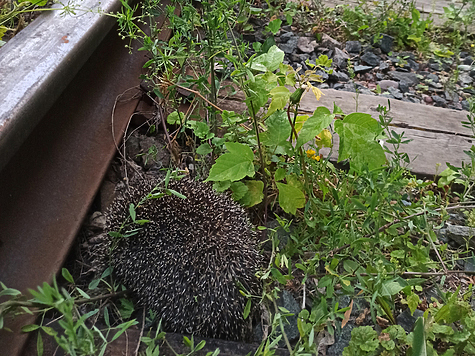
[(188, 261)]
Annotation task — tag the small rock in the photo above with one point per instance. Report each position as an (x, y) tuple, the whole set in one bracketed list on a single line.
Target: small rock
[(290, 46), (379, 76), (413, 64), (349, 87), (465, 79), (383, 65), (353, 46), (329, 42), (434, 78), (465, 105), (361, 69), (322, 74), (439, 101), (323, 86), (395, 93), (385, 42), (338, 76), (286, 36), (341, 341), (370, 59), (288, 302), (299, 58), (468, 60), (451, 96), (455, 106), (339, 86), (427, 99), (409, 78), (403, 87), (340, 58), (464, 67), (365, 91), (385, 84), (435, 85), (472, 73), (306, 44), (407, 321), (461, 234)]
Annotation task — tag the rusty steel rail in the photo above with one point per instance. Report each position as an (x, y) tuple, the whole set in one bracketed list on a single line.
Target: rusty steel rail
[(56, 141)]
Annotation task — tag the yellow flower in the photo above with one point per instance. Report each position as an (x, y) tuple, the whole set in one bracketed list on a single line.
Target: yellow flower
[(472, 45), (310, 153)]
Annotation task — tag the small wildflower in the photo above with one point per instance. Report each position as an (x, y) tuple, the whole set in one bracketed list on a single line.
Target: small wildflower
[(472, 45), (310, 153)]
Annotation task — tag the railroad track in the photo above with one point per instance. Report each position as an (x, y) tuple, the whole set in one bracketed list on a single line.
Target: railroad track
[(60, 79)]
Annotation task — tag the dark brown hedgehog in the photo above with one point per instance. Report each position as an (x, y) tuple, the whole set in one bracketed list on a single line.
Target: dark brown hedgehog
[(189, 261)]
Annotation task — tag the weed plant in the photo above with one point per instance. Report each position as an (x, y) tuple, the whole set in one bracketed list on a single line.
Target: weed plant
[(359, 225)]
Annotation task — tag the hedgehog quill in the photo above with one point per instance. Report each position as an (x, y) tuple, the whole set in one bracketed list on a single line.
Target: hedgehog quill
[(187, 261)]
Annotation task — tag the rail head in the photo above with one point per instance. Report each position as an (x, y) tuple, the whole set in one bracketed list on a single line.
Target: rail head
[(39, 62)]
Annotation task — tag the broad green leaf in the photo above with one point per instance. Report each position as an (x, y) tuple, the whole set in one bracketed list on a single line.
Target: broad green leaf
[(257, 94), (268, 61), (175, 118), (233, 166), (419, 339), (278, 129), (390, 288), (274, 26), (290, 198), (412, 302), (280, 97), (320, 119), (201, 130), (221, 186), (204, 149), (39, 345), (279, 174), (358, 134), (254, 194), (239, 190), (300, 120), (324, 139)]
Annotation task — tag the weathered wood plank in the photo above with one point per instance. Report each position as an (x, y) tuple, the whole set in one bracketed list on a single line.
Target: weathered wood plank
[(426, 8), (437, 134), (417, 116)]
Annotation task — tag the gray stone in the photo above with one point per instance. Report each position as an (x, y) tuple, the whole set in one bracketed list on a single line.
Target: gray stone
[(353, 46), (362, 69), (409, 78), (385, 84), (299, 58), (464, 67), (339, 86), (288, 302), (413, 64), (306, 44), (379, 76), (439, 101), (349, 87), (341, 341), (338, 76), (468, 60), (451, 96), (383, 65), (286, 36), (322, 74), (340, 58), (403, 87), (395, 93), (434, 78), (461, 234), (406, 320), (324, 86), (385, 42), (329, 42), (465, 105), (435, 85), (371, 59), (290, 46), (472, 73), (365, 91), (465, 79)]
